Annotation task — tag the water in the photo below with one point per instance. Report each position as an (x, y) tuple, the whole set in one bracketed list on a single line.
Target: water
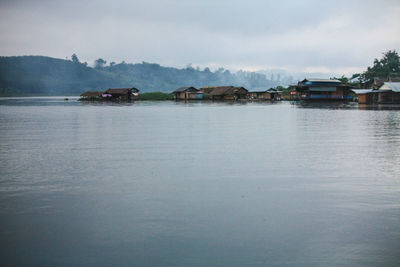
[(198, 184)]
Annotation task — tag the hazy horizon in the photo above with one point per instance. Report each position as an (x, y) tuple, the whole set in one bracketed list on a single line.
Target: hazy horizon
[(332, 37)]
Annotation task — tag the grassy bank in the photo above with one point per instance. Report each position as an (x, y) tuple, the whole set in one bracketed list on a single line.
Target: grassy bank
[(156, 96)]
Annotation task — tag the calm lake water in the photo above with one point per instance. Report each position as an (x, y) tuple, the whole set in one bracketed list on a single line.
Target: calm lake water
[(198, 184)]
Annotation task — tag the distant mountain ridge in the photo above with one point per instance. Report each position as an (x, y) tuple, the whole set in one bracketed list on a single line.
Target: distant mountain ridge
[(41, 75)]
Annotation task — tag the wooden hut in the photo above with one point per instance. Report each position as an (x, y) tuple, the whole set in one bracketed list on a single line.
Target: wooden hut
[(388, 93), (323, 89), (91, 96), (270, 94), (366, 96), (187, 93), (208, 89), (122, 93), (228, 93)]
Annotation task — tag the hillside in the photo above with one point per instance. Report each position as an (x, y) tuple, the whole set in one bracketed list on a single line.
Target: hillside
[(37, 75), (40, 75)]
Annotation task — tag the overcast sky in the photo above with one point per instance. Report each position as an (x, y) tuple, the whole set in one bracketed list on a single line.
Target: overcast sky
[(327, 36)]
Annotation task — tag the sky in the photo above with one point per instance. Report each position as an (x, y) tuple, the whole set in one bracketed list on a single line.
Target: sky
[(297, 36)]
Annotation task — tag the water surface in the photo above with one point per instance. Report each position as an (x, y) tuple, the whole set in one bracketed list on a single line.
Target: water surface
[(198, 184)]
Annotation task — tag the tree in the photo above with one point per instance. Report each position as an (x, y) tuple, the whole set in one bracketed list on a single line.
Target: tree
[(74, 58), (388, 66), (99, 63), (342, 79)]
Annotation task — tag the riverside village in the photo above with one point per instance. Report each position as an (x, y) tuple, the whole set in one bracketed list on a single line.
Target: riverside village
[(375, 91), (379, 84)]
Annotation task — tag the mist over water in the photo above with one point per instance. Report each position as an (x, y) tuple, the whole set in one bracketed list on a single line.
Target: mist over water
[(165, 183)]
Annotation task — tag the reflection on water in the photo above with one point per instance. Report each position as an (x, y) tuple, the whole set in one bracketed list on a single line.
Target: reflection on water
[(379, 107), (326, 104), (199, 183)]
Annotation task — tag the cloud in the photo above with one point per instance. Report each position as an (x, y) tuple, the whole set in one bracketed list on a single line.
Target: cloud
[(293, 35)]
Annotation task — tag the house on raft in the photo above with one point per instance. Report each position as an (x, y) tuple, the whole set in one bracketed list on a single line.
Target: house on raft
[(112, 94), (121, 94), (188, 93), (227, 93), (387, 93), (322, 90), (270, 94), (91, 96)]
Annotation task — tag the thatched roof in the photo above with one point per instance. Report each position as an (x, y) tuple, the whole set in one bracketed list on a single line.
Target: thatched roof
[(228, 90), (92, 93), (185, 89), (121, 91), (207, 89)]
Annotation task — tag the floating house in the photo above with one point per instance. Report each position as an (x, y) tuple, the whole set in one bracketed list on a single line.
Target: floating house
[(121, 94), (270, 94), (187, 93), (113, 94), (387, 93), (366, 96), (323, 89), (227, 93), (207, 89), (91, 95)]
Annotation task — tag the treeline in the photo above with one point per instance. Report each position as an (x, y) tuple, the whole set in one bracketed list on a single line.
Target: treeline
[(386, 67), (39, 75)]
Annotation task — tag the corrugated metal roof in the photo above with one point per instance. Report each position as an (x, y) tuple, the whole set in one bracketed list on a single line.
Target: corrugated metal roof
[(270, 90), (394, 86), (368, 91), (362, 91), (325, 81)]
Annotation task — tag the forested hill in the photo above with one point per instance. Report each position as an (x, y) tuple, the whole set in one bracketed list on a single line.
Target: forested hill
[(39, 75)]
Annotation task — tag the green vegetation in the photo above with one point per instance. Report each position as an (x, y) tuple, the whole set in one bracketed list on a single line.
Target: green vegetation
[(156, 96), (285, 90), (388, 66), (38, 75)]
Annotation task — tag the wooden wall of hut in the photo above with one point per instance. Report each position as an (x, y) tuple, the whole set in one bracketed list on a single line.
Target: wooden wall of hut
[(388, 97), (365, 98)]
